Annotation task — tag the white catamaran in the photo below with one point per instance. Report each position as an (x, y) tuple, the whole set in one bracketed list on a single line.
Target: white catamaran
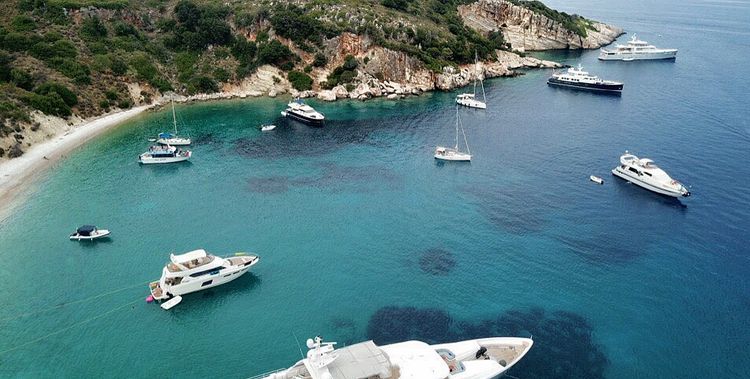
[(470, 99), (454, 153), (173, 139)]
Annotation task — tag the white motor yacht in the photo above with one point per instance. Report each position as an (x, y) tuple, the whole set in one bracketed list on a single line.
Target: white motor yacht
[(197, 270), (636, 50), (88, 233), (172, 138), (483, 358), (300, 111), (453, 153), (643, 172), (164, 154)]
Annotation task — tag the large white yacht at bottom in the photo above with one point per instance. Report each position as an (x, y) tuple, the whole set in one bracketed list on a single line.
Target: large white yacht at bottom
[(483, 358), (636, 50), (643, 172), (197, 270)]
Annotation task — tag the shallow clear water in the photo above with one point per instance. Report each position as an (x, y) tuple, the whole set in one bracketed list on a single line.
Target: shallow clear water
[(363, 235)]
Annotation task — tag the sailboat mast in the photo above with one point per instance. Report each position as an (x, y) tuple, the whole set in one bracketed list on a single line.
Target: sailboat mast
[(458, 121), (174, 119)]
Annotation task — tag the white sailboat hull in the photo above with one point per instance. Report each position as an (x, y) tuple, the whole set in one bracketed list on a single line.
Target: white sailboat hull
[(449, 154), (471, 103)]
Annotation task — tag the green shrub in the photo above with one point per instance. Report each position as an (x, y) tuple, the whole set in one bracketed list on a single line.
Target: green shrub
[(51, 104), (80, 73), (16, 42), (22, 79), (124, 104), (123, 29), (145, 70), (111, 94), (294, 23), (221, 75), (308, 69), (23, 23), (244, 50), (118, 66), (68, 96), (5, 68), (93, 28), (320, 60), (400, 5), (274, 53), (202, 84), (300, 81)]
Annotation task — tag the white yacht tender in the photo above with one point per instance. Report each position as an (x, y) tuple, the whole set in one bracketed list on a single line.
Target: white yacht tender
[(483, 358), (88, 233), (453, 153), (643, 172), (164, 154), (300, 111), (197, 270), (636, 50), (170, 138)]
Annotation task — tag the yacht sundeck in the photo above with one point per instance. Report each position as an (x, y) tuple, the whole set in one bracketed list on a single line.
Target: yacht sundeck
[(643, 172), (198, 270), (483, 358), (164, 154), (579, 79), (300, 111), (636, 50), (88, 233)]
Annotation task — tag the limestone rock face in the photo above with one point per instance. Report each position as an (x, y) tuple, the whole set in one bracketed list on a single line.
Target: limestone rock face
[(327, 95), (527, 30)]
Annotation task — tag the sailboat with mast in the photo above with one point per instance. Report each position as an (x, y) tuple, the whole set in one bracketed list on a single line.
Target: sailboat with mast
[(470, 99), (170, 138), (454, 153)]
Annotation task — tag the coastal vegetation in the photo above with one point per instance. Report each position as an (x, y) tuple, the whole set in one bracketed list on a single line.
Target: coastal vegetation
[(87, 57)]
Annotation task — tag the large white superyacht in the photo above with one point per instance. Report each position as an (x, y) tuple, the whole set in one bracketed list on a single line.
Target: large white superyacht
[(483, 358), (636, 50), (644, 172)]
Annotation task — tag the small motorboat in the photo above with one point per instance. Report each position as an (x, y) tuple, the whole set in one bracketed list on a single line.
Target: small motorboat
[(267, 127), (596, 179), (88, 233)]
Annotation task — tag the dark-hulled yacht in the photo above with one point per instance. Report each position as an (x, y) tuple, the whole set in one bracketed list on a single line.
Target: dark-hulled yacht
[(578, 79), (300, 111)]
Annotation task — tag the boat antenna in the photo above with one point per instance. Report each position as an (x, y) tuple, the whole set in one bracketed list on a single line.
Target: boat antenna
[(298, 345)]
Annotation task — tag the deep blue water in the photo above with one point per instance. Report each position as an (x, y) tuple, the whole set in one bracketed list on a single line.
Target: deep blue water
[(363, 235)]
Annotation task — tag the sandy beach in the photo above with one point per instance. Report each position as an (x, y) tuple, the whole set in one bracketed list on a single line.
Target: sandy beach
[(19, 173)]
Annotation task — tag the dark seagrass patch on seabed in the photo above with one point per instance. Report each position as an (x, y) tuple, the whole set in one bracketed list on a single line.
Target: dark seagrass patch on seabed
[(437, 261), (563, 341), (270, 184), (513, 209)]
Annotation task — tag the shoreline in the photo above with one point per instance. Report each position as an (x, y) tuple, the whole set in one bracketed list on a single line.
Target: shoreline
[(18, 174)]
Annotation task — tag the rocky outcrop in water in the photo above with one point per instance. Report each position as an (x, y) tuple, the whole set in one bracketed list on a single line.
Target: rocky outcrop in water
[(526, 30)]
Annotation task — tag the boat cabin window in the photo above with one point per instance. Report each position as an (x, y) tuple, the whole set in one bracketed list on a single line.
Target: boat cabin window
[(204, 272), (206, 283), (634, 170), (647, 173)]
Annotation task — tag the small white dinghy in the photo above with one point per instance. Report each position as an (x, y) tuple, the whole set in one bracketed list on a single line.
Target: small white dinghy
[(266, 128), (171, 303), (596, 179)]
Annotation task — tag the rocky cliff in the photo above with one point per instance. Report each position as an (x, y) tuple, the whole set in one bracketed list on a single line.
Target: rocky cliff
[(525, 29)]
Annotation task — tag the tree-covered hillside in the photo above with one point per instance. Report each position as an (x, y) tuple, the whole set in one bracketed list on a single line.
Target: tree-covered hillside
[(65, 57)]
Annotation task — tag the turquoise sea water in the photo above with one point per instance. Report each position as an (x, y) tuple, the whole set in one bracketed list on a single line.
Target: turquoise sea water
[(363, 235)]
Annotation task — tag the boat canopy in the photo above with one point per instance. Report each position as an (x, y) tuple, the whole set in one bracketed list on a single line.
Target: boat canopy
[(187, 257), (86, 230), (166, 135)]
